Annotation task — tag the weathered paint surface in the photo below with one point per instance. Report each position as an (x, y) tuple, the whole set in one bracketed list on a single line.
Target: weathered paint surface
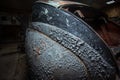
[(95, 64), (65, 48), (53, 61), (77, 27)]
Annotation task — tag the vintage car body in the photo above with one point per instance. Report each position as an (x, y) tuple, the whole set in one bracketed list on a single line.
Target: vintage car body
[(61, 46)]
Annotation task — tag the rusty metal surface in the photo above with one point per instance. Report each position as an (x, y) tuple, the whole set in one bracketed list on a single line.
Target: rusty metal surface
[(68, 22), (49, 60), (107, 28), (61, 46)]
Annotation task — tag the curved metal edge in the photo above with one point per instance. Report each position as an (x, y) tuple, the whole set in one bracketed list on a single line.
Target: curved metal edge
[(93, 60), (78, 20), (48, 59), (61, 3)]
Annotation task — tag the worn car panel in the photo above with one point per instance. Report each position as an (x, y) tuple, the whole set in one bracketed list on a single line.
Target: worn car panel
[(61, 46)]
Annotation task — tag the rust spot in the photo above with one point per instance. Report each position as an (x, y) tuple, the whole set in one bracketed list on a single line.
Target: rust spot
[(37, 50)]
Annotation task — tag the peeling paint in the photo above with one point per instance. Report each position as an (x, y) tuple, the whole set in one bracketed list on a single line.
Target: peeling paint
[(81, 49), (49, 18), (67, 22), (46, 11), (57, 14)]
